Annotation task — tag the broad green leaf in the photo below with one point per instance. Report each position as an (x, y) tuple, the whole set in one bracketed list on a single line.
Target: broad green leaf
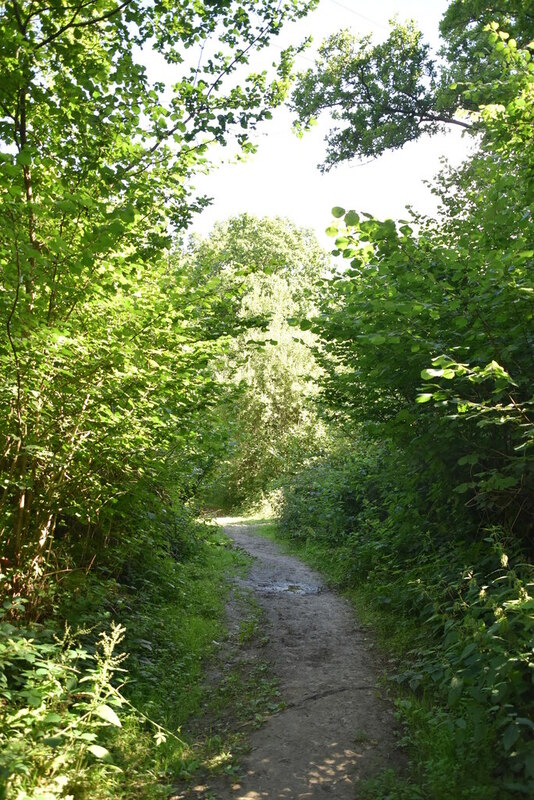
[(428, 374), (462, 488), (99, 752), (54, 741), (106, 713), (468, 649), (473, 458), (510, 736), (24, 158), (351, 218)]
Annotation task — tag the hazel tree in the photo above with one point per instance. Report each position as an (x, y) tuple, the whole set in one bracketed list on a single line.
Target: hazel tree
[(103, 361)]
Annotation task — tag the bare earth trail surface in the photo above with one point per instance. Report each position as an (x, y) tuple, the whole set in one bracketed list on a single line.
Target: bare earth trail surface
[(335, 729)]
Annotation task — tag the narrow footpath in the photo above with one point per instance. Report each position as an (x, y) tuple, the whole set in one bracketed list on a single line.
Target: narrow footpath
[(336, 729)]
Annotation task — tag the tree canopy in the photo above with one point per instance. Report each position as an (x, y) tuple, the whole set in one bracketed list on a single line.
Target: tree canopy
[(381, 96)]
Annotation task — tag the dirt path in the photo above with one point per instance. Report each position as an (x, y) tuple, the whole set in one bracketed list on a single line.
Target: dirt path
[(335, 729)]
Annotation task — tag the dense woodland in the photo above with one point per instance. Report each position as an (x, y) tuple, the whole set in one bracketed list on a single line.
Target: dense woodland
[(378, 400)]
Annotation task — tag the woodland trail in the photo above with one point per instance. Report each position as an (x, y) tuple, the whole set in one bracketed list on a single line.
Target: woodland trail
[(335, 729)]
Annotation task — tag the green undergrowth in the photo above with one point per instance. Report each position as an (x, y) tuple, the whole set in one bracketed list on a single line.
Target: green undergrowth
[(453, 625), (97, 706)]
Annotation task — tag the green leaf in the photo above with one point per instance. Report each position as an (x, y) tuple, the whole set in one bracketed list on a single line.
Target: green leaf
[(52, 718), (423, 398), (351, 218), (99, 752), (87, 736), (510, 736), (525, 721), (53, 741), (468, 649), (455, 690), (462, 488), (428, 374), (106, 713), (338, 212), (24, 158), (473, 458)]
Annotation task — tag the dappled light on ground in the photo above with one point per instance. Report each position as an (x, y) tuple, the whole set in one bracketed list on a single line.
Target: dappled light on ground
[(335, 774)]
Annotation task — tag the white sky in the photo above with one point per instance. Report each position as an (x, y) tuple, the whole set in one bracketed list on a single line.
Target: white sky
[(282, 179)]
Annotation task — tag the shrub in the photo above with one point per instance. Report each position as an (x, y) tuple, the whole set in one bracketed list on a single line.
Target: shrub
[(58, 703)]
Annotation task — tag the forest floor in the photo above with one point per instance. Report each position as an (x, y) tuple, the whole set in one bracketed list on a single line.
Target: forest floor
[(332, 727)]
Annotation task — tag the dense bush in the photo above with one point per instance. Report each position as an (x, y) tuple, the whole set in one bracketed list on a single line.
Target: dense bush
[(426, 326), (78, 717), (107, 344)]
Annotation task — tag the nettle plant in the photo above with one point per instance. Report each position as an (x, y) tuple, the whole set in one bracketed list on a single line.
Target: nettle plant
[(60, 700)]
